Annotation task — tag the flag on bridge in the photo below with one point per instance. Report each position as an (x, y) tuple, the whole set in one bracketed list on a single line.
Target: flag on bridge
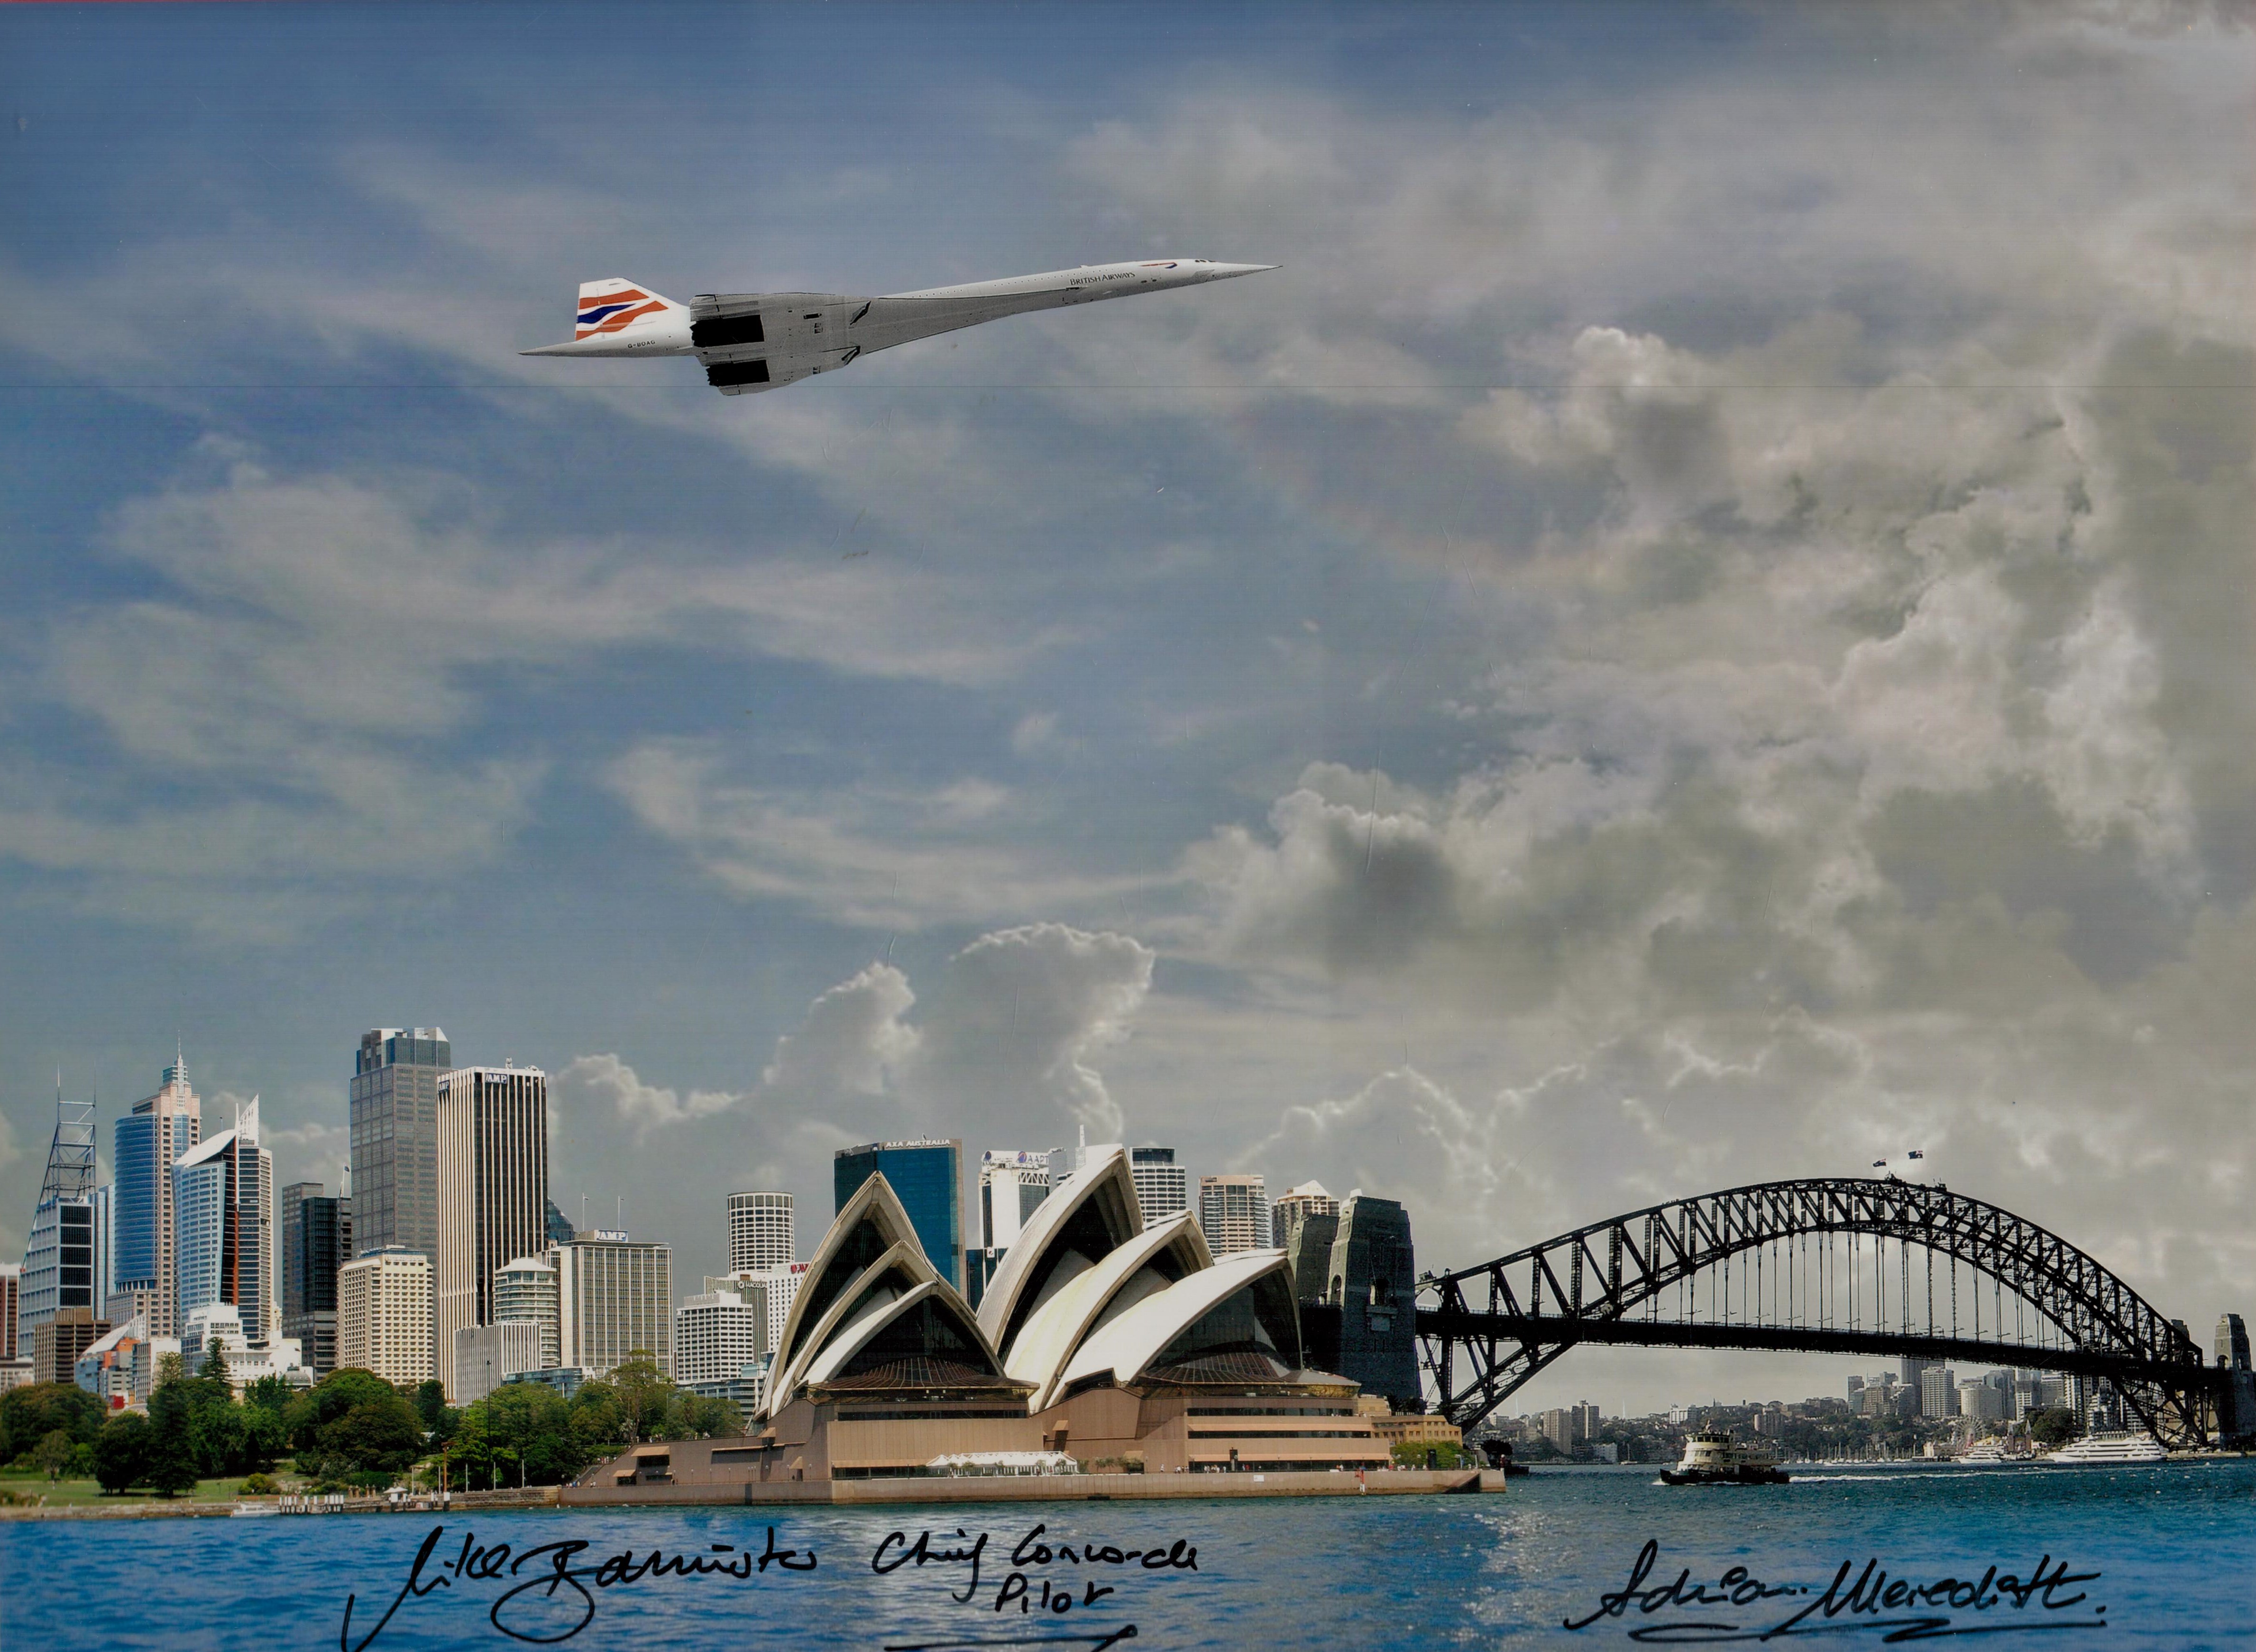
[(1914, 1154), (1879, 1164)]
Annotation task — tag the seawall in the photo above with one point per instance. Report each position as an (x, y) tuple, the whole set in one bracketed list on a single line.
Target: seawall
[(1031, 1488)]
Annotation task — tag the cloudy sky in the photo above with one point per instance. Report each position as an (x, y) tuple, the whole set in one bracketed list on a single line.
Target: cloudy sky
[(1698, 630)]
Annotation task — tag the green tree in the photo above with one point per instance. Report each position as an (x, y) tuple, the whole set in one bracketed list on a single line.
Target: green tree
[(305, 1417), (28, 1414), (171, 1367), (383, 1435), (262, 1438), (646, 1395), (121, 1451), (172, 1463), (530, 1426), (598, 1426), (2051, 1426), (431, 1404), (216, 1433), (215, 1365), (269, 1394), (1429, 1453), (52, 1454), (705, 1418)]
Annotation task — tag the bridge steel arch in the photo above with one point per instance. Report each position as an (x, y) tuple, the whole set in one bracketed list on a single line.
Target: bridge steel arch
[(1484, 1332)]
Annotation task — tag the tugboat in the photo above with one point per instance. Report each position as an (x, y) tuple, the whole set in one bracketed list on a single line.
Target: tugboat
[(1713, 1458)]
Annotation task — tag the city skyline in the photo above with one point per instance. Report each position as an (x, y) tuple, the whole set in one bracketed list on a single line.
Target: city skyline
[(1641, 1371)]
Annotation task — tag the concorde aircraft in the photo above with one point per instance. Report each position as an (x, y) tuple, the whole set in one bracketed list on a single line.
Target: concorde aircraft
[(763, 341)]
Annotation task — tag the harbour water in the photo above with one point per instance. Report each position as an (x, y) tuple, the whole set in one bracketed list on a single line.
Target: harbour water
[(2162, 1556)]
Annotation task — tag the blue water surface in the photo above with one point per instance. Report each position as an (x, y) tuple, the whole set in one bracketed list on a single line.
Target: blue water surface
[(2173, 1546)]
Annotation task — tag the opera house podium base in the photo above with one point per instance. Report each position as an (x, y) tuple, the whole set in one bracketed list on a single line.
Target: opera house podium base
[(604, 1490)]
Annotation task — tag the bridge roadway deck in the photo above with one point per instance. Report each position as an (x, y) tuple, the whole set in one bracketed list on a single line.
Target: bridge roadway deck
[(1555, 1329)]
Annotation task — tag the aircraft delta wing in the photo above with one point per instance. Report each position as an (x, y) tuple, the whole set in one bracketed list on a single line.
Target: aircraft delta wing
[(750, 342)]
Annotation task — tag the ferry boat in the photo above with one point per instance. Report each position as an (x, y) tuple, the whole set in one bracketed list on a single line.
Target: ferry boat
[(2115, 1450), (1713, 1458), (1987, 1451)]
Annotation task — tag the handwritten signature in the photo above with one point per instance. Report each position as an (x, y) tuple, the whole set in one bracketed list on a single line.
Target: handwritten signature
[(1029, 1555), (551, 1588), (1935, 1608), (557, 1600)]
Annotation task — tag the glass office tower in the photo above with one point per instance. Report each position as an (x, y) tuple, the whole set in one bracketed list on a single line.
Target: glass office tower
[(222, 1208), (145, 1144), (927, 1177), (395, 1138), (316, 1242)]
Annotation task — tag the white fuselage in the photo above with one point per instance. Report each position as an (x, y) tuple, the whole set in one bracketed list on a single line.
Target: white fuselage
[(905, 316)]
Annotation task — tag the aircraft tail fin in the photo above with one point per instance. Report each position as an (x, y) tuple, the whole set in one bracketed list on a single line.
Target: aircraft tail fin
[(615, 304)]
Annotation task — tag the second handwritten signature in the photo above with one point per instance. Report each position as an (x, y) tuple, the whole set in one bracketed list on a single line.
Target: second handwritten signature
[(1906, 1608)]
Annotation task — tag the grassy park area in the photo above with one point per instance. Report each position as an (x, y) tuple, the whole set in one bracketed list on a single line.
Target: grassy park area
[(21, 1486)]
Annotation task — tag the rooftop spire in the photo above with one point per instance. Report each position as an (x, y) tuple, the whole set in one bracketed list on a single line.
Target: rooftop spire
[(70, 1153)]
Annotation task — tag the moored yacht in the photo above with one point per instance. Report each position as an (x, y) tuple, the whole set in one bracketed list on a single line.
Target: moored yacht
[(1713, 1458)]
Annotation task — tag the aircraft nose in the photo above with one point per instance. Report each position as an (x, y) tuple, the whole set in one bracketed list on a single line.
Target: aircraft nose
[(1224, 271)]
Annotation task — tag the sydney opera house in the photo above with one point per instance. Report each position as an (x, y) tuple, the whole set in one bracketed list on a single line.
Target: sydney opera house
[(1120, 1345)]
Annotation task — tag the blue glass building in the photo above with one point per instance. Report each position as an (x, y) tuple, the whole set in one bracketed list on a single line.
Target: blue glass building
[(927, 1178), (142, 1155)]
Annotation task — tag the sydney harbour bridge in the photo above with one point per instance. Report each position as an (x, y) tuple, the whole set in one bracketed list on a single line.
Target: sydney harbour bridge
[(1856, 1266)]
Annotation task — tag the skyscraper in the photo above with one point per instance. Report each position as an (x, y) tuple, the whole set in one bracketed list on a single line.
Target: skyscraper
[(772, 1289), (145, 1144), (614, 1297), (316, 1242), (493, 1191), (524, 1293), (760, 1232), (1233, 1213), (717, 1333), (223, 1229), (1012, 1184), (1584, 1422), (927, 1177), (1162, 1185), (58, 1276), (1011, 1187), (105, 1244), (11, 1281), (485, 1357), (1308, 1199), (1303, 1226), (383, 1316), (395, 1137)]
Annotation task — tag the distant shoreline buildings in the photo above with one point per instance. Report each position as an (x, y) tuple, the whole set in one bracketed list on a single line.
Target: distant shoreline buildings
[(446, 1257)]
